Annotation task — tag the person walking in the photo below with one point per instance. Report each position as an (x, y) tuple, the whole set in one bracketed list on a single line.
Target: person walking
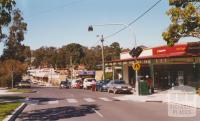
[(149, 83), (93, 85)]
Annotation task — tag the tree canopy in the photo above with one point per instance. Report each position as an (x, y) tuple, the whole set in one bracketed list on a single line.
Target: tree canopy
[(14, 49), (16, 55), (185, 20), (6, 7), (60, 57)]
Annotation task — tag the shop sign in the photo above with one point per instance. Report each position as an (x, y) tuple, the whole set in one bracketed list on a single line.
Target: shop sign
[(86, 73), (165, 50)]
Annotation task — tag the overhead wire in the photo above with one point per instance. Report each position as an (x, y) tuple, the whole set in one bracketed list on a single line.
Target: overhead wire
[(135, 20)]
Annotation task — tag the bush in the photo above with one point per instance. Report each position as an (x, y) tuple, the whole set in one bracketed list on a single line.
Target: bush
[(6, 68)]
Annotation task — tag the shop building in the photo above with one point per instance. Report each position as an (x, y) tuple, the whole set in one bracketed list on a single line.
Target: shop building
[(167, 66)]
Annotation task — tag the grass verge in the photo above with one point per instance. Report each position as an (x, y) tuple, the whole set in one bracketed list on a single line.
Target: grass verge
[(21, 90), (7, 108), (11, 97)]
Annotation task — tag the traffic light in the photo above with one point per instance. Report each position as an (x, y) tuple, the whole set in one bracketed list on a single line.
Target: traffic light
[(132, 52), (135, 52), (90, 28)]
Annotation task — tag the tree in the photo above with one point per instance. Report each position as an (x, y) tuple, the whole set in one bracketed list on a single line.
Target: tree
[(6, 7), (6, 69), (45, 56), (14, 49), (185, 18), (115, 46), (75, 51)]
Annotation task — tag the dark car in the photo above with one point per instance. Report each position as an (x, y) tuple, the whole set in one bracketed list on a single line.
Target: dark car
[(24, 84), (102, 85), (64, 84)]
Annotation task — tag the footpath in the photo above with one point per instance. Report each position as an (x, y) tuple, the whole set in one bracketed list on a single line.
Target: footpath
[(4, 91), (163, 97)]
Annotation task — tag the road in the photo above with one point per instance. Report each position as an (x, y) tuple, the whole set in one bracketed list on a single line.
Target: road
[(50, 104)]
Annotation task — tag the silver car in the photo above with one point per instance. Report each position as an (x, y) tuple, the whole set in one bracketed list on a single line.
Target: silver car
[(118, 86)]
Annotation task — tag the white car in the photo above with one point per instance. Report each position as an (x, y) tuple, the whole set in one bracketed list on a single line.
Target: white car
[(87, 83), (74, 83)]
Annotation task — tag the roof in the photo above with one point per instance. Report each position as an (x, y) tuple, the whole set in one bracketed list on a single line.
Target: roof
[(178, 50)]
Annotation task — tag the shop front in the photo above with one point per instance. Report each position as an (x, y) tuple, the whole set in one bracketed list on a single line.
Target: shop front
[(167, 66)]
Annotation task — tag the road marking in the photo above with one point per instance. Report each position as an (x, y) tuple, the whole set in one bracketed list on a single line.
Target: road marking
[(53, 102), (89, 100), (72, 100), (105, 99), (120, 98), (97, 112)]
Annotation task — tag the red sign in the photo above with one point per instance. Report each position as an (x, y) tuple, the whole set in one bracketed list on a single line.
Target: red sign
[(167, 51)]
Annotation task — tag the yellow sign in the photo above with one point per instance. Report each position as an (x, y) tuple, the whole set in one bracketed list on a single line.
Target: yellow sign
[(136, 66)]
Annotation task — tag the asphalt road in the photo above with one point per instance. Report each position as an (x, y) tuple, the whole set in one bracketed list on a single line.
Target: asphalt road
[(50, 104)]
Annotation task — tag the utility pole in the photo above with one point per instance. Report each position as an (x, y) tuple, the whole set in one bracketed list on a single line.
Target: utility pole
[(71, 68), (103, 63)]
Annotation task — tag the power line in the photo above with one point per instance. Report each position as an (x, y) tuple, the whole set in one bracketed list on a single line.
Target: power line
[(135, 20)]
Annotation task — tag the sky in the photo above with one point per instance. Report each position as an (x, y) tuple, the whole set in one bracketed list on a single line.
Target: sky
[(60, 22)]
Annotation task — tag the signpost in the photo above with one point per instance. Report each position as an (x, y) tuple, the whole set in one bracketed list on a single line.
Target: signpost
[(136, 66)]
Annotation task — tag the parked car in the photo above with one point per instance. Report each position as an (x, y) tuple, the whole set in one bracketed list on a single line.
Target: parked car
[(87, 83), (24, 84), (102, 85), (64, 84), (77, 83), (118, 86)]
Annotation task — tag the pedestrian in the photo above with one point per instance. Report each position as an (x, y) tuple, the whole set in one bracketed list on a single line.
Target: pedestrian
[(93, 85), (149, 84)]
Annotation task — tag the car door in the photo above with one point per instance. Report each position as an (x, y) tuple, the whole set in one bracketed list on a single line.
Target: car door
[(110, 85)]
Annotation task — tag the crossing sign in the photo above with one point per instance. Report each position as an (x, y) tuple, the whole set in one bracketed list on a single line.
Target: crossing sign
[(136, 66)]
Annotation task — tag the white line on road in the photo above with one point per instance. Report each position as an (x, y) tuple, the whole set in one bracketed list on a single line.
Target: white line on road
[(97, 112), (53, 102), (89, 100), (105, 99), (72, 101)]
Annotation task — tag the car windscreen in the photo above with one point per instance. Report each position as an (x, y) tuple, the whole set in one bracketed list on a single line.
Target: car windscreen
[(106, 82), (119, 82), (63, 82), (90, 80)]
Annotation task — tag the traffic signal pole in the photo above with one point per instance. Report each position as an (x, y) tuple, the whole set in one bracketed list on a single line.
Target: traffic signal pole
[(136, 83)]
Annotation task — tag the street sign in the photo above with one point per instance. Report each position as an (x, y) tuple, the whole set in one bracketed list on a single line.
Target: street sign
[(136, 66)]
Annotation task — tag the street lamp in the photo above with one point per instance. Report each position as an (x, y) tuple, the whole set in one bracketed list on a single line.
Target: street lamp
[(90, 28)]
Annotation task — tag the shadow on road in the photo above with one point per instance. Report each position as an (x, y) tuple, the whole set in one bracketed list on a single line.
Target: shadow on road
[(44, 99), (57, 113)]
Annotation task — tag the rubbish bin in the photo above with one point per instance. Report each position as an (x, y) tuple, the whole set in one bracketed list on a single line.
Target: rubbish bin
[(143, 88)]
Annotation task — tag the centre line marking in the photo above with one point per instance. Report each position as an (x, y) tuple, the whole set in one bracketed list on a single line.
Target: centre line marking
[(105, 99), (53, 102), (72, 100), (97, 112), (89, 99)]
